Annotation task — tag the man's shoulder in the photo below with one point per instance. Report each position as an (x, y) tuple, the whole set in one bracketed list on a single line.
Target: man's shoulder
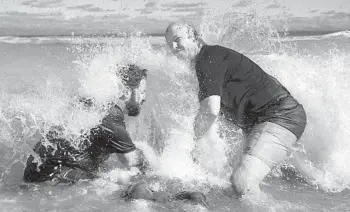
[(210, 52), (116, 110), (114, 116), (213, 48)]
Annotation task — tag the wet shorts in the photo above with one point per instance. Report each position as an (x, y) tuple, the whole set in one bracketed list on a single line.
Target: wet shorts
[(58, 171), (270, 142), (286, 112)]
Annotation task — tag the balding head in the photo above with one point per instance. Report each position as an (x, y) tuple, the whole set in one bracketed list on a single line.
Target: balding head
[(180, 27), (183, 39)]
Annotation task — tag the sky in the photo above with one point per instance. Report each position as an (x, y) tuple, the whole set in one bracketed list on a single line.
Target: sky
[(62, 17)]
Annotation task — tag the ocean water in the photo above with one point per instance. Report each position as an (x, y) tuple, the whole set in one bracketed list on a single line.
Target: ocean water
[(42, 77)]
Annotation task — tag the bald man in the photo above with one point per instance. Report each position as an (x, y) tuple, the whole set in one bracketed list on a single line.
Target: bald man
[(232, 84)]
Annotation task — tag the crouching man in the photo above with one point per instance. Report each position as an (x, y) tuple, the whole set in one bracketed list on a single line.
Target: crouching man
[(61, 162)]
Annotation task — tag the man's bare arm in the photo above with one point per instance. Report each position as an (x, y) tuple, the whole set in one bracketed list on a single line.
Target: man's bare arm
[(208, 112)]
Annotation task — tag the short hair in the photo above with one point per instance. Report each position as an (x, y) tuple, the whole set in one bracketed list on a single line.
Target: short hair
[(132, 75)]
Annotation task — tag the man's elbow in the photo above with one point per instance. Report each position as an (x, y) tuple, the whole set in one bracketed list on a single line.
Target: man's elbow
[(211, 105), (210, 112), (214, 108), (214, 112)]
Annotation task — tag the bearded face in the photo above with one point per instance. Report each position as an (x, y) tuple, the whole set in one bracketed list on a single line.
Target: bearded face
[(134, 81)]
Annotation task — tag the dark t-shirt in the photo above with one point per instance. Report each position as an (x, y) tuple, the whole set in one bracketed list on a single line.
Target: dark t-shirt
[(109, 137), (245, 89)]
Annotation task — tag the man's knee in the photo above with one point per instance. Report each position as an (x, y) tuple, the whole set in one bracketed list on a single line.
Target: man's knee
[(139, 191), (249, 174)]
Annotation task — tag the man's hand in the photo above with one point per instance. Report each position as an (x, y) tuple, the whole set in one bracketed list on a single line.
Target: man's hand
[(194, 154), (208, 112)]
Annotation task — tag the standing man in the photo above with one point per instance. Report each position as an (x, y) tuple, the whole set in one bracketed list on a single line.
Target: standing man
[(234, 85)]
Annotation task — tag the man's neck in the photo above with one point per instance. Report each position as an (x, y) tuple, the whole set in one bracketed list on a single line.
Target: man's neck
[(201, 43)]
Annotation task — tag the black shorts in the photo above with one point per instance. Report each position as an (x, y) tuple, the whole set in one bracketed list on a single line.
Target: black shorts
[(54, 172), (286, 112)]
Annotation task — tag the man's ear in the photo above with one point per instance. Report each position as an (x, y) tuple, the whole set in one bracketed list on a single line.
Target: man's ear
[(144, 72), (123, 97), (196, 34), (88, 102)]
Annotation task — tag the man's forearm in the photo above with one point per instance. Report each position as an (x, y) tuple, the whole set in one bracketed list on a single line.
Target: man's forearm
[(202, 124)]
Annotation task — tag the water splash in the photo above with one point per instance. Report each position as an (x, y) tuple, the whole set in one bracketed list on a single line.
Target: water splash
[(164, 128), (250, 27)]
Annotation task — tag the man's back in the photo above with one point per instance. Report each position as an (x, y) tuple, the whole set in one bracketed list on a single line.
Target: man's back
[(243, 86)]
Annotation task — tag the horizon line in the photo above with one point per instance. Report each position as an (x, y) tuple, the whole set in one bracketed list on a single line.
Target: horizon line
[(73, 34)]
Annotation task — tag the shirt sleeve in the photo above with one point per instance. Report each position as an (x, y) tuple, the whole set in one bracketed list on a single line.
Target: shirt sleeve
[(114, 117), (209, 75)]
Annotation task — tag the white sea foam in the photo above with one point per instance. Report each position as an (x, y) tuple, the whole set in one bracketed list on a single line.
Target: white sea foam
[(164, 128)]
